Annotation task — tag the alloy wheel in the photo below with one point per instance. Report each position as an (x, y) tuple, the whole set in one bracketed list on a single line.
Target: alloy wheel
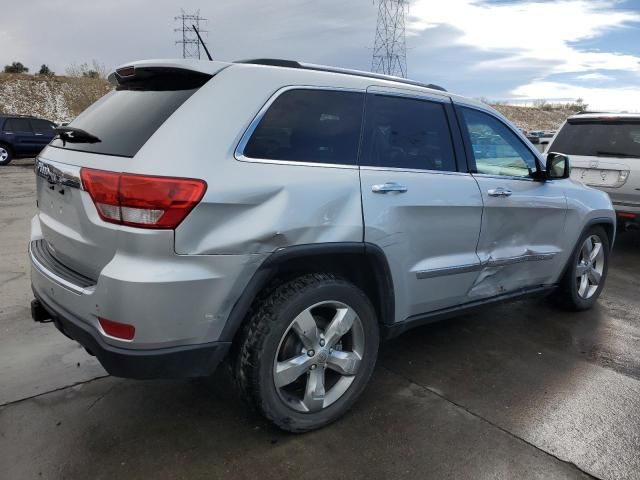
[(590, 266), (319, 356), (4, 154)]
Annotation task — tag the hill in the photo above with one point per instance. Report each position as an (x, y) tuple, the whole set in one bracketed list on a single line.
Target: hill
[(55, 98), (548, 117)]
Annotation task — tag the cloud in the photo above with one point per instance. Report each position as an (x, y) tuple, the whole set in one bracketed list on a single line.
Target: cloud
[(594, 76), (532, 30), (613, 99), (533, 41)]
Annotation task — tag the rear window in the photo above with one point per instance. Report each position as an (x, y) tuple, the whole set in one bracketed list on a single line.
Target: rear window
[(308, 125), (17, 125), (125, 118), (599, 138)]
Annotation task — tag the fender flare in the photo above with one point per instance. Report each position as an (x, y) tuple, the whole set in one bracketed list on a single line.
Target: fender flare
[(271, 266), (591, 223)]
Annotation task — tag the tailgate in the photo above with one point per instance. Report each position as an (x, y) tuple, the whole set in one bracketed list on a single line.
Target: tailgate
[(107, 136), (598, 172), (73, 232)]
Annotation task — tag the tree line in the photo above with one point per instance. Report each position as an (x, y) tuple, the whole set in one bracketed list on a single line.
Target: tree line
[(92, 70)]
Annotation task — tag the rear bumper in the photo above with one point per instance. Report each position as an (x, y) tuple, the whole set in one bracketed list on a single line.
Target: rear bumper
[(628, 215), (171, 300), (626, 207), (174, 362)]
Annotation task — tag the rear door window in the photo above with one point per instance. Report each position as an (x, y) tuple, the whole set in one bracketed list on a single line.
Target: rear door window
[(309, 125), (16, 125), (599, 138), (407, 133)]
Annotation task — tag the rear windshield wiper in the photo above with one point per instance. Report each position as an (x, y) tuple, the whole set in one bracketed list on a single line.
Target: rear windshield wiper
[(614, 154), (75, 135)]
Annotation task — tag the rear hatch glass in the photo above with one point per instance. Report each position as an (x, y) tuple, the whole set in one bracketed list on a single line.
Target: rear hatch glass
[(599, 138), (124, 119)]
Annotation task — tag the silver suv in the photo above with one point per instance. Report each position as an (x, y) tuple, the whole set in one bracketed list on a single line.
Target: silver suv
[(605, 154), (286, 216)]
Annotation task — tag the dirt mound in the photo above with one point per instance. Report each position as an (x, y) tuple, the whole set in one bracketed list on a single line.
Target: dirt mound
[(58, 99), (534, 118)]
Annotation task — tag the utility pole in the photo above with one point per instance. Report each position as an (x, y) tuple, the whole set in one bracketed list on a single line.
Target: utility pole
[(187, 37), (390, 46)]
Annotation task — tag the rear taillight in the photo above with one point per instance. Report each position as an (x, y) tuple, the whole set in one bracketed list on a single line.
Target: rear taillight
[(141, 200)]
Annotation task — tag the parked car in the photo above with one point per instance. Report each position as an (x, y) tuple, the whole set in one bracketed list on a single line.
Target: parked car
[(22, 136), (544, 136), (285, 217), (605, 153), (533, 137)]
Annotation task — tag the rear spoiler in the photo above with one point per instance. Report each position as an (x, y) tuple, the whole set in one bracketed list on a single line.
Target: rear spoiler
[(608, 119), (164, 75)]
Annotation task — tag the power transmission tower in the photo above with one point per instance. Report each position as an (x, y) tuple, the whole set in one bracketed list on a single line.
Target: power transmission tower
[(390, 46), (186, 36)]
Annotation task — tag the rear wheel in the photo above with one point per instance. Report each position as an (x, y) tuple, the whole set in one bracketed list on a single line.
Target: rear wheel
[(308, 351), (585, 277), (5, 155)]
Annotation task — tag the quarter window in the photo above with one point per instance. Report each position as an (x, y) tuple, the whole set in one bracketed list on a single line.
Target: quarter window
[(407, 133), (496, 149), (309, 125)]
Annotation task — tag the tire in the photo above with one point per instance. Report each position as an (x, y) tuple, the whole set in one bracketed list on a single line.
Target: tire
[(571, 293), (279, 344), (6, 155)]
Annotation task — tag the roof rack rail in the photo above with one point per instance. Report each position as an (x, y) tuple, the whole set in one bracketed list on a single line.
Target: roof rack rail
[(276, 62), (17, 115)]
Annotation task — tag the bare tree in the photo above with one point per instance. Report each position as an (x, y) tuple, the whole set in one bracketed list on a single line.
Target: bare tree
[(93, 70)]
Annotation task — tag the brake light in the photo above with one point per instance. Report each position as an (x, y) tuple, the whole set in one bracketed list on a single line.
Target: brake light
[(141, 200), (123, 331), (626, 215)]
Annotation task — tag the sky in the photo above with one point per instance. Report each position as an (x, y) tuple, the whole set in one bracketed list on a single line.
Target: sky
[(517, 51)]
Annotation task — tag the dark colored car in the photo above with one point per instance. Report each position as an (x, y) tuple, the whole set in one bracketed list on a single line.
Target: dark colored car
[(22, 136)]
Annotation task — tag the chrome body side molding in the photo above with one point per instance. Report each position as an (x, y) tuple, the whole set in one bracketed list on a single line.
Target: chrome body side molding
[(491, 262)]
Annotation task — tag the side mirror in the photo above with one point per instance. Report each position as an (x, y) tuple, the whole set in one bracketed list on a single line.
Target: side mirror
[(558, 166)]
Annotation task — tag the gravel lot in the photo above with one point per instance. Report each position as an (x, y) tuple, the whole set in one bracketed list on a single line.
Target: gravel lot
[(517, 391)]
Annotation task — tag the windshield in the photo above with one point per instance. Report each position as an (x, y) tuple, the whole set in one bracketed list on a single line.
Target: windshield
[(599, 138)]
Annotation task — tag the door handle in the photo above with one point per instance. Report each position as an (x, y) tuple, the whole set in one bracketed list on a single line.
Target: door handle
[(499, 192), (388, 187)]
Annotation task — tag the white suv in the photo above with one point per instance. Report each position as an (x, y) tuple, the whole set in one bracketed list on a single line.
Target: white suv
[(286, 217), (605, 154)]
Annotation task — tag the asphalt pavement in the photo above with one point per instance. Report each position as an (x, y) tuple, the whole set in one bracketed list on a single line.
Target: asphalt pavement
[(516, 391)]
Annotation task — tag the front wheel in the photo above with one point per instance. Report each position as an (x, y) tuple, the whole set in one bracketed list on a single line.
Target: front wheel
[(308, 351), (586, 274)]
